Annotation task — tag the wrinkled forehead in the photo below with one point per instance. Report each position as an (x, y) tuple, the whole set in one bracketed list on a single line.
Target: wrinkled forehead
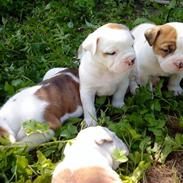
[(116, 38), (93, 130), (115, 26), (167, 34)]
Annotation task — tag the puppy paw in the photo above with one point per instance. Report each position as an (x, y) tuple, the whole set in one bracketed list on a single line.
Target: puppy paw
[(176, 90), (12, 139), (117, 103), (133, 89), (154, 81)]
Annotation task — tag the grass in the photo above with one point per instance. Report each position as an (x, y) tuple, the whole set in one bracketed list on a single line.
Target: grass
[(38, 35)]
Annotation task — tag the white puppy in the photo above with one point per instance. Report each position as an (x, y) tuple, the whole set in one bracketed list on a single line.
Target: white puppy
[(106, 59), (53, 100), (159, 52), (89, 158)]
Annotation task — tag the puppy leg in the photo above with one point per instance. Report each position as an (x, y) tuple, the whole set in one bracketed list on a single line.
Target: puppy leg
[(174, 84), (21, 134), (133, 85), (118, 97), (143, 79), (154, 81), (87, 99), (53, 122), (37, 138)]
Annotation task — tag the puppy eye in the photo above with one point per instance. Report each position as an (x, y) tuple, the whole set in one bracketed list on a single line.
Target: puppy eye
[(111, 53), (165, 50)]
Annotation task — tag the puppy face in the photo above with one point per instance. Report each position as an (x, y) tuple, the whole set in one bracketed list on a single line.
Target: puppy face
[(100, 138), (112, 46), (167, 44)]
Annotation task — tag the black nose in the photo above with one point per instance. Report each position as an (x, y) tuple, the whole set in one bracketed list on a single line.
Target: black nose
[(180, 65)]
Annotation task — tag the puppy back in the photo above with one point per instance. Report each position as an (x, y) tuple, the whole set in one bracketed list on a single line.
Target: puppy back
[(62, 94), (86, 175)]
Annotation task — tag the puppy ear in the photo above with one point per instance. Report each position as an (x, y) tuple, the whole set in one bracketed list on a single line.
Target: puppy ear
[(89, 44), (103, 137), (80, 51), (152, 34)]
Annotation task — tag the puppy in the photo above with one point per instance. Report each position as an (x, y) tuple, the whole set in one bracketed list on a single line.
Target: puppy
[(159, 52), (106, 59), (53, 101), (89, 159)]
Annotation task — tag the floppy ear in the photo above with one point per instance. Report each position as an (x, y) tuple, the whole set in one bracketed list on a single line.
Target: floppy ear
[(103, 137), (152, 34), (89, 44), (80, 51)]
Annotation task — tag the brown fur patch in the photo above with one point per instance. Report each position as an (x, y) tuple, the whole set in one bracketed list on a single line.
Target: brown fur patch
[(115, 26), (84, 175), (62, 93), (165, 42), (3, 132), (104, 55)]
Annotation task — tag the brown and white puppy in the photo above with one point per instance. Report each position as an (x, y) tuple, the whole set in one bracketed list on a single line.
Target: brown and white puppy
[(106, 59), (159, 52), (89, 159), (53, 101)]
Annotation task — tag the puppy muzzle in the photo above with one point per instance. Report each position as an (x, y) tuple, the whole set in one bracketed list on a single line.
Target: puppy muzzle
[(172, 64), (130, 61), (123, 63), (179, 64)]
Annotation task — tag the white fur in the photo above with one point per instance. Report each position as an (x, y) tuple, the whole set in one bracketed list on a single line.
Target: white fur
[(150, 65), (21, 107), (72, 76), (25, 106), (93, 146), (104, 75), (52, 72), (56, 71)]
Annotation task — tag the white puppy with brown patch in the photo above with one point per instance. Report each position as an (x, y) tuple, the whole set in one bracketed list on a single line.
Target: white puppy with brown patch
[(106, 59), (53, 101), (159, 52), (89, 159)]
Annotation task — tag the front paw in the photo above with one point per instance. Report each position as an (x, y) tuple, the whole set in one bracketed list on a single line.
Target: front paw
[(12, 139), (177, 90), (117, 103), (133, 88), (90, 122)]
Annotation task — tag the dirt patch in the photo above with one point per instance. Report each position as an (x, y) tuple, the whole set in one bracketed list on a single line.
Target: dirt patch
[(173, 125), (170, 172)]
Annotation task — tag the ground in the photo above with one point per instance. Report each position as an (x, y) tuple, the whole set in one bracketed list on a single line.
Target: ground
[(170, 172)]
